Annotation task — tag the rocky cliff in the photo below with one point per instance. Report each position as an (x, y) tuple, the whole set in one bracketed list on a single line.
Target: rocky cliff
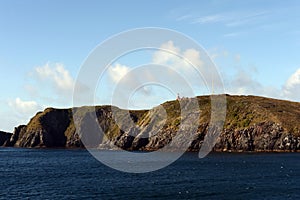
[(4, 137), (252, 124)]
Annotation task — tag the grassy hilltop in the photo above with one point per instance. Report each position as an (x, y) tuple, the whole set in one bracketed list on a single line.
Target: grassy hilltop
[(252, 124)]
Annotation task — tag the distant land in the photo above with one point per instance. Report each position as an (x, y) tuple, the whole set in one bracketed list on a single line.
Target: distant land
[(252, 124)]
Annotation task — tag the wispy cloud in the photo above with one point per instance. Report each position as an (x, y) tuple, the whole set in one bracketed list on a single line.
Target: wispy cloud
[(184, 17), (209, 19), (233, 34), (228, 19), (245, 18)]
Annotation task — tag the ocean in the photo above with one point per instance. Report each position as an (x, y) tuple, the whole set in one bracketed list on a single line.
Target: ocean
[(75, 174)]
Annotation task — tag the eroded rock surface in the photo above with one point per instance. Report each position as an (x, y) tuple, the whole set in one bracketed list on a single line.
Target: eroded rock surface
[(252, 124)]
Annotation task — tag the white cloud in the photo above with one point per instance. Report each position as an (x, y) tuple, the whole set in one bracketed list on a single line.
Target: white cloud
[(216, 52), (294, 80), (117, 72), (57, 75), (237, 58), (8, 121), (24, 108), (291, 88), (16, 111), (193, 65), (51, 84), (181, 69), (173, 56), (244, 83), (193, 56), (183, 62), (167, 54), (237, 79)]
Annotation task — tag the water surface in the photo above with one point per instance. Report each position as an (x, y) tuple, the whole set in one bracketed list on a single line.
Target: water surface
[(75, 174)]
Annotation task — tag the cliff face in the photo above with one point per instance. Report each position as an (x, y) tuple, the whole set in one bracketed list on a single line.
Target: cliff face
[(252, 124), (46, 129), (4, 137)]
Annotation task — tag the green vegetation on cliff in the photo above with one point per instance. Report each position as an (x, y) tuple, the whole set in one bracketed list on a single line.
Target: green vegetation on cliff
[(252, 124)]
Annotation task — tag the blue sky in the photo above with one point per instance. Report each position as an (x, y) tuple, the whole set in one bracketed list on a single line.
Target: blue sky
[(255, 45)]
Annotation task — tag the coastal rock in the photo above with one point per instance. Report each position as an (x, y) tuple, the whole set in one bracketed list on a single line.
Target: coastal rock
[(20, 130), (4, 137), (46, 129), (252, 124), (259, 137)]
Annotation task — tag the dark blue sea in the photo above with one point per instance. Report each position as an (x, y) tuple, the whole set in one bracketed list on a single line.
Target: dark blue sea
[(75, 174)]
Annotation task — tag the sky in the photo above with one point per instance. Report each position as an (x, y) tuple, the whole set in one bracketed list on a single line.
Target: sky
[(43, 45)]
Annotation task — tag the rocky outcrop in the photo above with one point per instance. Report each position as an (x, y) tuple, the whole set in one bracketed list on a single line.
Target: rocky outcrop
[(4, 137), (265, 136), (252, 124), (46, 129), (20, 130)]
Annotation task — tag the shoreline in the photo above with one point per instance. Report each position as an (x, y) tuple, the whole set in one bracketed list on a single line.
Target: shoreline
[(148, 151)]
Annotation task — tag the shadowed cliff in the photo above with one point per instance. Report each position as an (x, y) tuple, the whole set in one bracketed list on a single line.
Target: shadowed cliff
[(4, 136), (252, 124)]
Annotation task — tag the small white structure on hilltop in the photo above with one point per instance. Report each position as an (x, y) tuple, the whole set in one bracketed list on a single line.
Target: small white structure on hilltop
[(178, 97), (181, 98)]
